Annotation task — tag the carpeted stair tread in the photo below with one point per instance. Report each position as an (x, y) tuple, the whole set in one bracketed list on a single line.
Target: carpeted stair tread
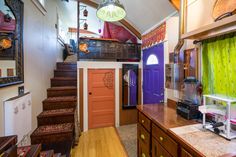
[(65, 73), (61, 99), (58, 116), (62, 88), (53, 129), (48, 153), (62, 91), (58, 112), (66, 70), (64, 78), (63, 81), (64, 65)]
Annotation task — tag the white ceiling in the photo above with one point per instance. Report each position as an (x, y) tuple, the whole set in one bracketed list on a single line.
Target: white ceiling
[(144, 14)]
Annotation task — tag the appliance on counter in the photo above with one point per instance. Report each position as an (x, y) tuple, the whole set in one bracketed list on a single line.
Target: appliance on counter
[(187, 110), (188, 106), (222, 109)]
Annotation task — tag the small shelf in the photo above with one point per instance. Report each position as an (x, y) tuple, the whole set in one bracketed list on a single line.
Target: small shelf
[(225, 26)]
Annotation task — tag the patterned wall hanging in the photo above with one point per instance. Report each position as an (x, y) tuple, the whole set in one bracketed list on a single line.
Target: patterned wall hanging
[(155, 36)]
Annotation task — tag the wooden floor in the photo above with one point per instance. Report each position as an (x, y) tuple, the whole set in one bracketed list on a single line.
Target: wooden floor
[(103, 142)]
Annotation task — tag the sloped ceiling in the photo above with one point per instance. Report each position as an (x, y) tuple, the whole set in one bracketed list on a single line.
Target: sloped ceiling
[(143, 14)]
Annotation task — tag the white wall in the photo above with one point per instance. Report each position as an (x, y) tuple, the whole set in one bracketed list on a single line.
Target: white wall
[(41, 52), (101, 65), (92, 20)]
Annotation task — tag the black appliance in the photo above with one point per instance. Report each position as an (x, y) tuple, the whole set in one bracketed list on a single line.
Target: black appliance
[(187, 110)]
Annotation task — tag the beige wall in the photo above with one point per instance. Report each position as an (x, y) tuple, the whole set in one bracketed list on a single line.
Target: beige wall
[(41, 52)]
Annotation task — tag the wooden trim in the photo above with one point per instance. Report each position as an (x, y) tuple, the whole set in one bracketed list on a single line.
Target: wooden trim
[(81, 98), (171, 103), (140, 87), (123, 22), (128, 116)]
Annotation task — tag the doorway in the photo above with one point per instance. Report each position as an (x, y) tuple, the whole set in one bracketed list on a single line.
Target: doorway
[(153, 74), (101, 98)]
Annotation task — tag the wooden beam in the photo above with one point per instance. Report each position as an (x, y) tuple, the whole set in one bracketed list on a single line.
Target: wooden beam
[(123, 22)]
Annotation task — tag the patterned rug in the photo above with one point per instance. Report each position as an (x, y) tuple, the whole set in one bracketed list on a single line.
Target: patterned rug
[(128, 135)]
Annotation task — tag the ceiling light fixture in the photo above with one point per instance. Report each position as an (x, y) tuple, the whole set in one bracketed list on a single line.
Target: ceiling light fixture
[(111, 11)]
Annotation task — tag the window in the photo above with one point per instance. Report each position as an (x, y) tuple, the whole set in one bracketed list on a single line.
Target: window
[(152, 60)]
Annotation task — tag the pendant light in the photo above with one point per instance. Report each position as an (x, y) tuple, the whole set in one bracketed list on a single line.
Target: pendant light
[(111, 11)]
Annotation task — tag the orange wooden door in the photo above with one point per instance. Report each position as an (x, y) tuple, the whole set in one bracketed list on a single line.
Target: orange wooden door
[(101, 98)]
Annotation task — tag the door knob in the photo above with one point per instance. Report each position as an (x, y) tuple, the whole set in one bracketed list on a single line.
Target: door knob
[(90, 93)]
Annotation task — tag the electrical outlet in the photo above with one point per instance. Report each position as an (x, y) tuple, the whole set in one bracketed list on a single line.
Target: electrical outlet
[(21, 90)]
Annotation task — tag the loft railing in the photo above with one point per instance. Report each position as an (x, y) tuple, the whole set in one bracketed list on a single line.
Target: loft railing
[(108, 50)]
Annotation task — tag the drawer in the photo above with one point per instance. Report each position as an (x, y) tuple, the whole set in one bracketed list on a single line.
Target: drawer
[(184, 153), (144, 121), (143, 136), (167, 142), (158, 150), (143, 151)]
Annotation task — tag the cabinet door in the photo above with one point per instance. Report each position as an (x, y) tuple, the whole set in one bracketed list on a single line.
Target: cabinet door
[(158, 150), (184, 153), (143, 136), (143, 150)]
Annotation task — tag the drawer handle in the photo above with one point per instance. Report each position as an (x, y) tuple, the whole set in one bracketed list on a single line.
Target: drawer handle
[(143, 121), (142, 137), (143, 155), (161, 138), (161, 156)]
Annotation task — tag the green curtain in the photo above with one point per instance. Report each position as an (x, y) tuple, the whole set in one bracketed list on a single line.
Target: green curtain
[(219, 65)]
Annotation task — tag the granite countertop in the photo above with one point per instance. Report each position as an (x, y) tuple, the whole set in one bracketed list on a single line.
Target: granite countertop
[(206, 142)]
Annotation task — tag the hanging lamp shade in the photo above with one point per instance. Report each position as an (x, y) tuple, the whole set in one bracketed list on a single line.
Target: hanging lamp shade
[(111, 11)]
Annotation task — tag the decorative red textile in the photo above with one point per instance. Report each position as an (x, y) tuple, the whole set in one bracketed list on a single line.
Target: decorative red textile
[(113, 31), (6, 26), (155, 36)]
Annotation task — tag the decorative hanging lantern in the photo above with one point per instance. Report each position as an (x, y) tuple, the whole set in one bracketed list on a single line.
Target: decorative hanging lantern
[(85, 26), (85, 12)]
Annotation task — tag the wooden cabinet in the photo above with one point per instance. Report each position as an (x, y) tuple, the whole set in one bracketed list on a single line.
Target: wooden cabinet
[(144, 121), (158, 150), (184, 153), (144, 136), (166, 142), (143, 151), (153, 141)]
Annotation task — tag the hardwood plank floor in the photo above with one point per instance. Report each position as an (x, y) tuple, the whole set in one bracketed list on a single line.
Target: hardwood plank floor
[(102, 142)]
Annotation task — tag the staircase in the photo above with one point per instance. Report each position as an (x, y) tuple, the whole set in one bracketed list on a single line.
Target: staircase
[(56, 124), (8, 148)]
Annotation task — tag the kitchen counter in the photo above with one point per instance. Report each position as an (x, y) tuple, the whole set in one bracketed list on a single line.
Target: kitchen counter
[(163, 116), (188, 135), (206, 142)]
